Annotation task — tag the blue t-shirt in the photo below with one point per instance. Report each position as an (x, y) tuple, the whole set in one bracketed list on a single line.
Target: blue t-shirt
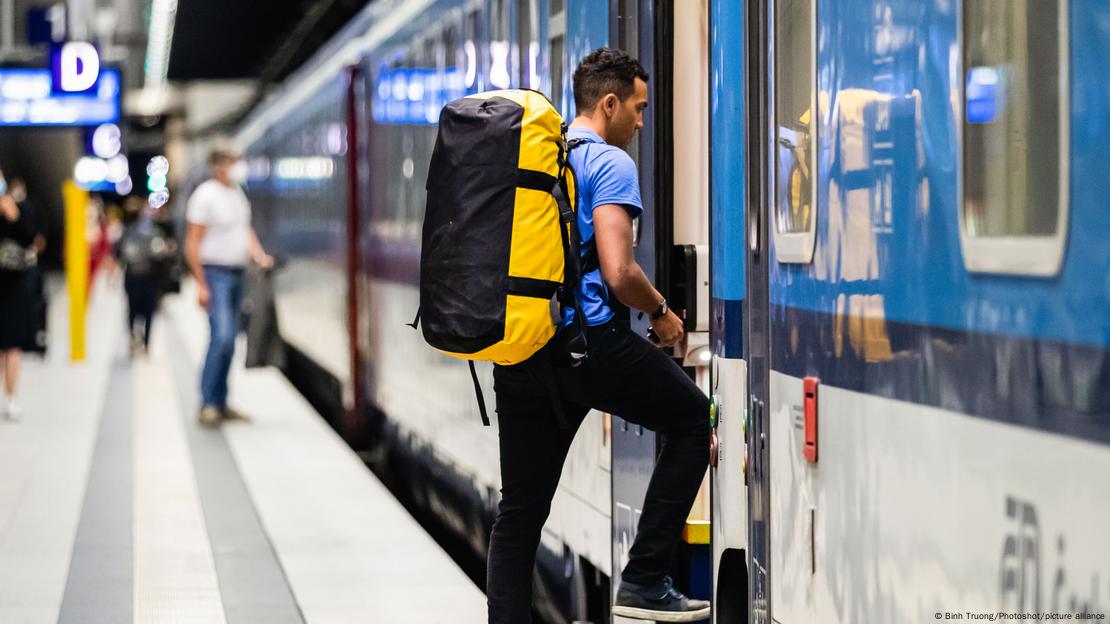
[(604, 175)]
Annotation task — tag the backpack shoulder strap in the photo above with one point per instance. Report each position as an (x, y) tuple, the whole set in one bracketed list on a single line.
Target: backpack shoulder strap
[(478, 393)]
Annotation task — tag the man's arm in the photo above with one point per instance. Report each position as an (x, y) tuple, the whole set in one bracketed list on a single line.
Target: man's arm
[(257, 253), (194, 234), (624, 276)]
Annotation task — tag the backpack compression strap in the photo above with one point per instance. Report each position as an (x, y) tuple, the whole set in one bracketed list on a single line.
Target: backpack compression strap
[(478, 393), (568, 222)]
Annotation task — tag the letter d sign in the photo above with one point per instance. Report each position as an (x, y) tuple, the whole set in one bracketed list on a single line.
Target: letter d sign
[(75, 67)]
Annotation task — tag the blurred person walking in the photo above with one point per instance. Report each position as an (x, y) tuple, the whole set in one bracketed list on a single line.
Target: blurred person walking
[(17, 256), (139, 250), (37, 220), (17, 188), (102, 235), (219, 242)]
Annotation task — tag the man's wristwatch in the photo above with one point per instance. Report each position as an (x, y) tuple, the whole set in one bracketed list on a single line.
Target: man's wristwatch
[(661, 311)]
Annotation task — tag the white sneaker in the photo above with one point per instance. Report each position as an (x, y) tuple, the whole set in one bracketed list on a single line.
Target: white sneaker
[(12, 411)]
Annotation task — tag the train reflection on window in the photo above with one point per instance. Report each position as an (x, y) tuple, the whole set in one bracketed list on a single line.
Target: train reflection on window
[(1012, 108), (794, 83)]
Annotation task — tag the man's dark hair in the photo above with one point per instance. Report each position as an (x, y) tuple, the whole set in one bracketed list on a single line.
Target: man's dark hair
[(220, 156), (602, 72)]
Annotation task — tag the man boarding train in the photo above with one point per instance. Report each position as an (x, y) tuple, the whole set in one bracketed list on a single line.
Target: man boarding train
[(623, 373)]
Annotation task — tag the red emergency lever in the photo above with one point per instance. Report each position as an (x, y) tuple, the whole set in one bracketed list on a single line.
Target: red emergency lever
[(809, 448)]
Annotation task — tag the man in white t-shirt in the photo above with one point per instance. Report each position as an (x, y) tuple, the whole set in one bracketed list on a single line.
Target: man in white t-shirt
[(219, 242)]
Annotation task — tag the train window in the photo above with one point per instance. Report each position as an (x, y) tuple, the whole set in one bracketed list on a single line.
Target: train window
[(1014, 136), (472, 72), (500, 75), (628, 25), (528, 42), (557, 70), (556, 30), (795, 140), (628, 40), (455, 62)]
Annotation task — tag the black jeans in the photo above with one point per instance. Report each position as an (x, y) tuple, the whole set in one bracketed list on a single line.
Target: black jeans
[(623, 375), (142, 301)]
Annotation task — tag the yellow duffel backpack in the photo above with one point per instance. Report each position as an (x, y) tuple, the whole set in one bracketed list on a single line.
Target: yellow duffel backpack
[(500, 248)]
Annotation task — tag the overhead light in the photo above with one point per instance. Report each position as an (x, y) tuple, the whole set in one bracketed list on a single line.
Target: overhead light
[(499, 65), (159, 198), (471, 63), (156, 183), (90, 171), (159, 41), (106, 140), (118, 169), (158, 166)]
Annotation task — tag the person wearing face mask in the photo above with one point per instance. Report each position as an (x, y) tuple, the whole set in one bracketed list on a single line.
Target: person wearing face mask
[(17, 256), (219, 243)]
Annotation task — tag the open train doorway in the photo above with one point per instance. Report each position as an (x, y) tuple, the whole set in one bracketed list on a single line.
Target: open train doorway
[(671, 244)]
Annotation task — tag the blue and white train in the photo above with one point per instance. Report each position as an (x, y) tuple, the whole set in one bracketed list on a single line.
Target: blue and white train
[(911, 309), (338, 159), (885, 221)]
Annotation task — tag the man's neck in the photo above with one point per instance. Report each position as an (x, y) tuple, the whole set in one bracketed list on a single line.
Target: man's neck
[(588, 123)]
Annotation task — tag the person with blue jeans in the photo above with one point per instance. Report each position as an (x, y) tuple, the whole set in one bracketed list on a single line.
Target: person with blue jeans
[(623, 374), (219, 242)]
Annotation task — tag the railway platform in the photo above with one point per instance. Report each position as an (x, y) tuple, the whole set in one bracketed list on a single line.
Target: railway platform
[(116, 506)]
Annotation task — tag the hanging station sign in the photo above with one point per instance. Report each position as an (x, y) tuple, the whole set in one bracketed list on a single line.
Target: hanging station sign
[(28, 96)]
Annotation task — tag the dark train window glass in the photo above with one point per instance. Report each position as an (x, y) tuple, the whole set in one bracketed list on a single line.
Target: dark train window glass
[(556, 7), (472, 59), (628, 24), (455, 60), (794, 90), (498, 20), (528, 42), (628, 33), (557, 71), (1015, 116), (500, 70)]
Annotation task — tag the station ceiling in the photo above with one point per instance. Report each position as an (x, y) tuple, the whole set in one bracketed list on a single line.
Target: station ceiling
[(252, 39)]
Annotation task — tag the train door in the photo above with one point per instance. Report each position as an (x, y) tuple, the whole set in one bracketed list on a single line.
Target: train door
[(760, 85), (356, 405), (788, 404), (728, 379), (671, 241), (633, 447)]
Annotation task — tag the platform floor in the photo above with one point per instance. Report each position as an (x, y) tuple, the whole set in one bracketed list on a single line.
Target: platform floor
[(115, 506)]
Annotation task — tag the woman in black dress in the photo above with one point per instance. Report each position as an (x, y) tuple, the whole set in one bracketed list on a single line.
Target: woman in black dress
[(16, 321)]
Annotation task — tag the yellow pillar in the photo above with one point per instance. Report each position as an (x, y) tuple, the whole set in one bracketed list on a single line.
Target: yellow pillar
[(77, 265)]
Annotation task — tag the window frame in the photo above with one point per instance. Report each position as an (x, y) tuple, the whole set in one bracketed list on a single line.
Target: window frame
[(798, 247), (1028, 255)]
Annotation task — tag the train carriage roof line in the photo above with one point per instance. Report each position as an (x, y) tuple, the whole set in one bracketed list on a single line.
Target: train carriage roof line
[(371, 28)]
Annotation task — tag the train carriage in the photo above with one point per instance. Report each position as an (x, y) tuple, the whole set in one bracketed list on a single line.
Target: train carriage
[(924, 313), (885, 222), (338, 160)]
